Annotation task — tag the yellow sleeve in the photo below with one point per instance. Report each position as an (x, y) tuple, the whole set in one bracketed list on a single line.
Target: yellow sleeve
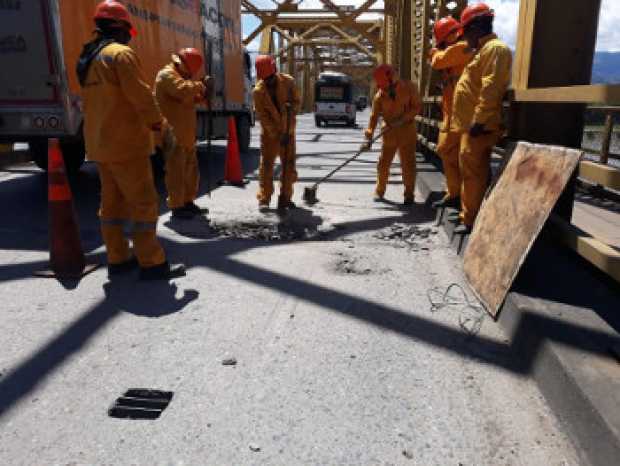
[(179, 88), (375, 113), (268, 122), (134, 87), (496, 66), (456, 55)]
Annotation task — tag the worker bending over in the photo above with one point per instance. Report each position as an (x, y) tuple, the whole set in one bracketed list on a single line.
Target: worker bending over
[(277, 101), (178, 89), (450, 57), (119, 114), (397, 101), (477, 107)]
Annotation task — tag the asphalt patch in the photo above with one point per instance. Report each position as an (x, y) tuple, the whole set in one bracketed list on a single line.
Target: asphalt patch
[(412, 236)]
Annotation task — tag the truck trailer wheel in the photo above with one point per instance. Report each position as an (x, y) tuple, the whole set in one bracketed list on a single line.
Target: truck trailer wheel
[(38, 152), (73, 151), (244, 133)]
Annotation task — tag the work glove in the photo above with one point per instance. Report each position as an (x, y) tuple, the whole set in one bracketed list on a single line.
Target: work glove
[(368, 144), (169, 142), (477, 130), (285, 139)]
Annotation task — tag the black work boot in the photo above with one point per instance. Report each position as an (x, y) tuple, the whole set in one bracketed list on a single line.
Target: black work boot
[(408, 201), (123, 267), (196, 209), (183, 213), (462, 229), (284, 204), (163, 271), (450, 202)]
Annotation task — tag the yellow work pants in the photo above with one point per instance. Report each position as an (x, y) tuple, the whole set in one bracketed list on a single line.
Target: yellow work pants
[(128, 196), (182, 177), (448, 148), (406, 154), (475, 164), (270, 150)]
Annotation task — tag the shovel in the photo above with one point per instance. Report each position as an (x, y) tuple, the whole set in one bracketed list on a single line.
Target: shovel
[(310, 191), (286, 149)]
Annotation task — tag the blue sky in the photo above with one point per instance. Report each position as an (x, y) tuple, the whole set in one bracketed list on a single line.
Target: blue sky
[(507, 12)]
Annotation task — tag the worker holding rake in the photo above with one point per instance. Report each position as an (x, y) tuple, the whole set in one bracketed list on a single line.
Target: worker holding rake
[(397, 102)]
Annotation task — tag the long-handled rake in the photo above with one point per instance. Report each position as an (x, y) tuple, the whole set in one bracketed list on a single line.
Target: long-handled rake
[(310, 191)]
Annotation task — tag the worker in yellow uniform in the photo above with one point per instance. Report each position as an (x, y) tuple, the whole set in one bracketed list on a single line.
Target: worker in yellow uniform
[(178, 89), (119, 114), (276, 101), (477, 107), (398, 102), (450, 57)]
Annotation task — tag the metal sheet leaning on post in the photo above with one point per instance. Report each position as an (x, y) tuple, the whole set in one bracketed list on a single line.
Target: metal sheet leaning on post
[(398, 102), (178, 89), (450, 57), (271, 95), (477, 107), (119, 114)]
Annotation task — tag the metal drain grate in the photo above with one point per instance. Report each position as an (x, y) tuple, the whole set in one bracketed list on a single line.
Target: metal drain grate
[(140, 403)]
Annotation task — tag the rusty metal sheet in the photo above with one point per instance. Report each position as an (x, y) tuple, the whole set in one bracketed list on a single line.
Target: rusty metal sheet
[(512, 217)]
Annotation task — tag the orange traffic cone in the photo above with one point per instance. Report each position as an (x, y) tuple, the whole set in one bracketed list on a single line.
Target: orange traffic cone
[(67, 259), (233, 173)]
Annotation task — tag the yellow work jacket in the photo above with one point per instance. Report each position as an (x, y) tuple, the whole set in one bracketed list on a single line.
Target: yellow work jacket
[(406, 105), (177, 99), (273, 118), (119, 107), (451, 62), (480, 91)]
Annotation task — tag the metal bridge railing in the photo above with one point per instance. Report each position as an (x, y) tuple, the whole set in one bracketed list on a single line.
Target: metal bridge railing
[(600, 173)]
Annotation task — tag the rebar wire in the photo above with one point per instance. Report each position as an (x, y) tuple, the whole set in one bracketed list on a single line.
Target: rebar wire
[(471, 314)]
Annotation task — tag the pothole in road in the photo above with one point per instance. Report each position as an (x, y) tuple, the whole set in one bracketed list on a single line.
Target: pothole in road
[(413, 236), (348, 264), (288, 231)]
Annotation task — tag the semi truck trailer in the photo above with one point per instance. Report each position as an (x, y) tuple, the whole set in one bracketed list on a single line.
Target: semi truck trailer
[(40, 42)]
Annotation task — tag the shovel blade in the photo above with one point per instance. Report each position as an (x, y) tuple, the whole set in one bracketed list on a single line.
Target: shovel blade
[(310, 195)]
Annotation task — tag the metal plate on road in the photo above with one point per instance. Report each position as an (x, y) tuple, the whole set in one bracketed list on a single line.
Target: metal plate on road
[(140, 403), (512, 217)]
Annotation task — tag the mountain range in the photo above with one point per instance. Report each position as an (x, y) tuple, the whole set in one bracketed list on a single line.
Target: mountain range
[(606, 68)]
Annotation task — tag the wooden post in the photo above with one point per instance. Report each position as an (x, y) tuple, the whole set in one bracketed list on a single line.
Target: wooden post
[(547, 56), (609, 129)]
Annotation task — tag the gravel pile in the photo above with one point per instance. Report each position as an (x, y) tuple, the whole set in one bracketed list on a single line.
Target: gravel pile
[(407, 235), (267, 231)]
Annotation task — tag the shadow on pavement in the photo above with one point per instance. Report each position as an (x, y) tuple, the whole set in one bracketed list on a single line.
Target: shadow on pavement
[(155, 300), (147, 300)]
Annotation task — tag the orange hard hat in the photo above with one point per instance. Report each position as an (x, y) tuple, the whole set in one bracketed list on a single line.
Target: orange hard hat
[(265, 66), (477, 10), (115, 11), (444, 27), (192, 59), (383, 76)]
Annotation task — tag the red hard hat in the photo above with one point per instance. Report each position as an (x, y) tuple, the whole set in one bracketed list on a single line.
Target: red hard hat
[(192, 59), (474, 11), (116, 11), (383, 76), (444, 27), (265, 66)]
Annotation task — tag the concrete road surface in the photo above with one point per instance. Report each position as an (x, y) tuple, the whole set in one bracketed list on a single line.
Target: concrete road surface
[(348, 349)]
